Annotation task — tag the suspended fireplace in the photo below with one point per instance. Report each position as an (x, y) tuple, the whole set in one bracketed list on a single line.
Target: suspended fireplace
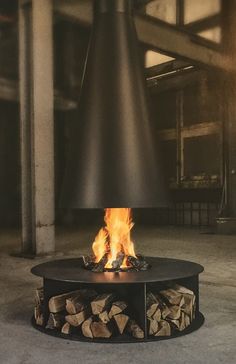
[(115, 294)]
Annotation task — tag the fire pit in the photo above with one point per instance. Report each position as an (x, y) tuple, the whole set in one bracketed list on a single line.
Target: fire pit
[(78, 304)]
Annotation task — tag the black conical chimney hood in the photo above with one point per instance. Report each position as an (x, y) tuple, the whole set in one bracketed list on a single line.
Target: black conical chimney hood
[(113, 159)]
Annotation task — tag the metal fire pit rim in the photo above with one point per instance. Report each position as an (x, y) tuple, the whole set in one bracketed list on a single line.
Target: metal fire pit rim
[(72, 270)]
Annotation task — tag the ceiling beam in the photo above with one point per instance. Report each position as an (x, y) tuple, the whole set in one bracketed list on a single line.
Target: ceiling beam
[(157, 35)]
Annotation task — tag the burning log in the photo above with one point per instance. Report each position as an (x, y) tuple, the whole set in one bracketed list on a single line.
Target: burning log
[(55, 321), (66, 329), (137, 264), (86, 328), (116, 264), (101, 303), (100, 330), (116, 308), (121, 322), (89, 261), (99, 267), (135, 330)]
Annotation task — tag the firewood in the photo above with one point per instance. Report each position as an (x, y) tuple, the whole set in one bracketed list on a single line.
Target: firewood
[(172, 296), (116, 264), (152, 309), (55, 321), (74, 305), (77, 319), (183, 290), (175, 312), (38, 315), (66, 329), (151, 299), (121, 322), (153, 327), (100, 330), (135, 330), (182, 322), (137, 264), (99, 267), (117, 307), (164, 329), (88, 261), (101, 302), (58, 303), (157, 315), (187, 320), (175, 323), (86, 328), (104, 317), (188, 306), (39, 296)]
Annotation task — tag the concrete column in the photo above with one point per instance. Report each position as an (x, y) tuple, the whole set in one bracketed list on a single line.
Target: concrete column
[(37, 125)]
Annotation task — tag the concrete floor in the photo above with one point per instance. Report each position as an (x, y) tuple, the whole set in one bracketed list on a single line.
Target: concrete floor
[(214, 343)]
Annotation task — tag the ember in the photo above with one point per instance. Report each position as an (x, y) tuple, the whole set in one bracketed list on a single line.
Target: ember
[(113, 249)]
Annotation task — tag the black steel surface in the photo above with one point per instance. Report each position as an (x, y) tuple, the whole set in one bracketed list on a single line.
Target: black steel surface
[(113, 159), (162, 269)]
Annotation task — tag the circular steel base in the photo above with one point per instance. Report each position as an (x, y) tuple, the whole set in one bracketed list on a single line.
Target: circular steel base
[(61, 276)]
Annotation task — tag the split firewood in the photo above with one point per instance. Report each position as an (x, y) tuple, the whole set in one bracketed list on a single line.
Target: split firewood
[(66, 329), (157, 315), (75, 305), (55, 321), (172, 296), (38, 315), (116, 264), (152, 309), (175, 312), (165, 311), (164, 329), (117, 307), (58, 303), (104, 317), (135, 330), (101, 303), (88, 261), (100, 330), (182, 322), (121, 322), (86, 328), (175, 323), (187, 320), (188, 305), (77, 319), (39, 296), (183, 290), (153, 327), (99, 267)]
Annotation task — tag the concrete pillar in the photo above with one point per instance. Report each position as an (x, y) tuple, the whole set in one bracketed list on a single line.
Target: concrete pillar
[(36, 125)]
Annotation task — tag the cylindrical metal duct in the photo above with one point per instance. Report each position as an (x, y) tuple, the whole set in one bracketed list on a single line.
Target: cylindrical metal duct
[(113, 159)]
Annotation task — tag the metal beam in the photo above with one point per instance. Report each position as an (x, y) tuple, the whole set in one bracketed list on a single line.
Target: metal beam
[(157, 35)]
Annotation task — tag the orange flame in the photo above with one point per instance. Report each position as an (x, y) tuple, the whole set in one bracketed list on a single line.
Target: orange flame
[(115, 237)]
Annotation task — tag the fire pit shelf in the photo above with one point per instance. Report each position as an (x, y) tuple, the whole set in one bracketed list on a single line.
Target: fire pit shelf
[(138, 290)]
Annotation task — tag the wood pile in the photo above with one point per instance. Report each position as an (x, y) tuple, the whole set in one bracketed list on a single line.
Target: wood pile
[(170, 310), (38, 308), (84, 312)]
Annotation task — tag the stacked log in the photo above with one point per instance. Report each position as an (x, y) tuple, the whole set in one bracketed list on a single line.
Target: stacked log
[(170, 310), (39, 305), (92, 315)]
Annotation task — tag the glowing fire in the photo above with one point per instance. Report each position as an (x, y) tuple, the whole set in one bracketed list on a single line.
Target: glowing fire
[(114, 238)]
